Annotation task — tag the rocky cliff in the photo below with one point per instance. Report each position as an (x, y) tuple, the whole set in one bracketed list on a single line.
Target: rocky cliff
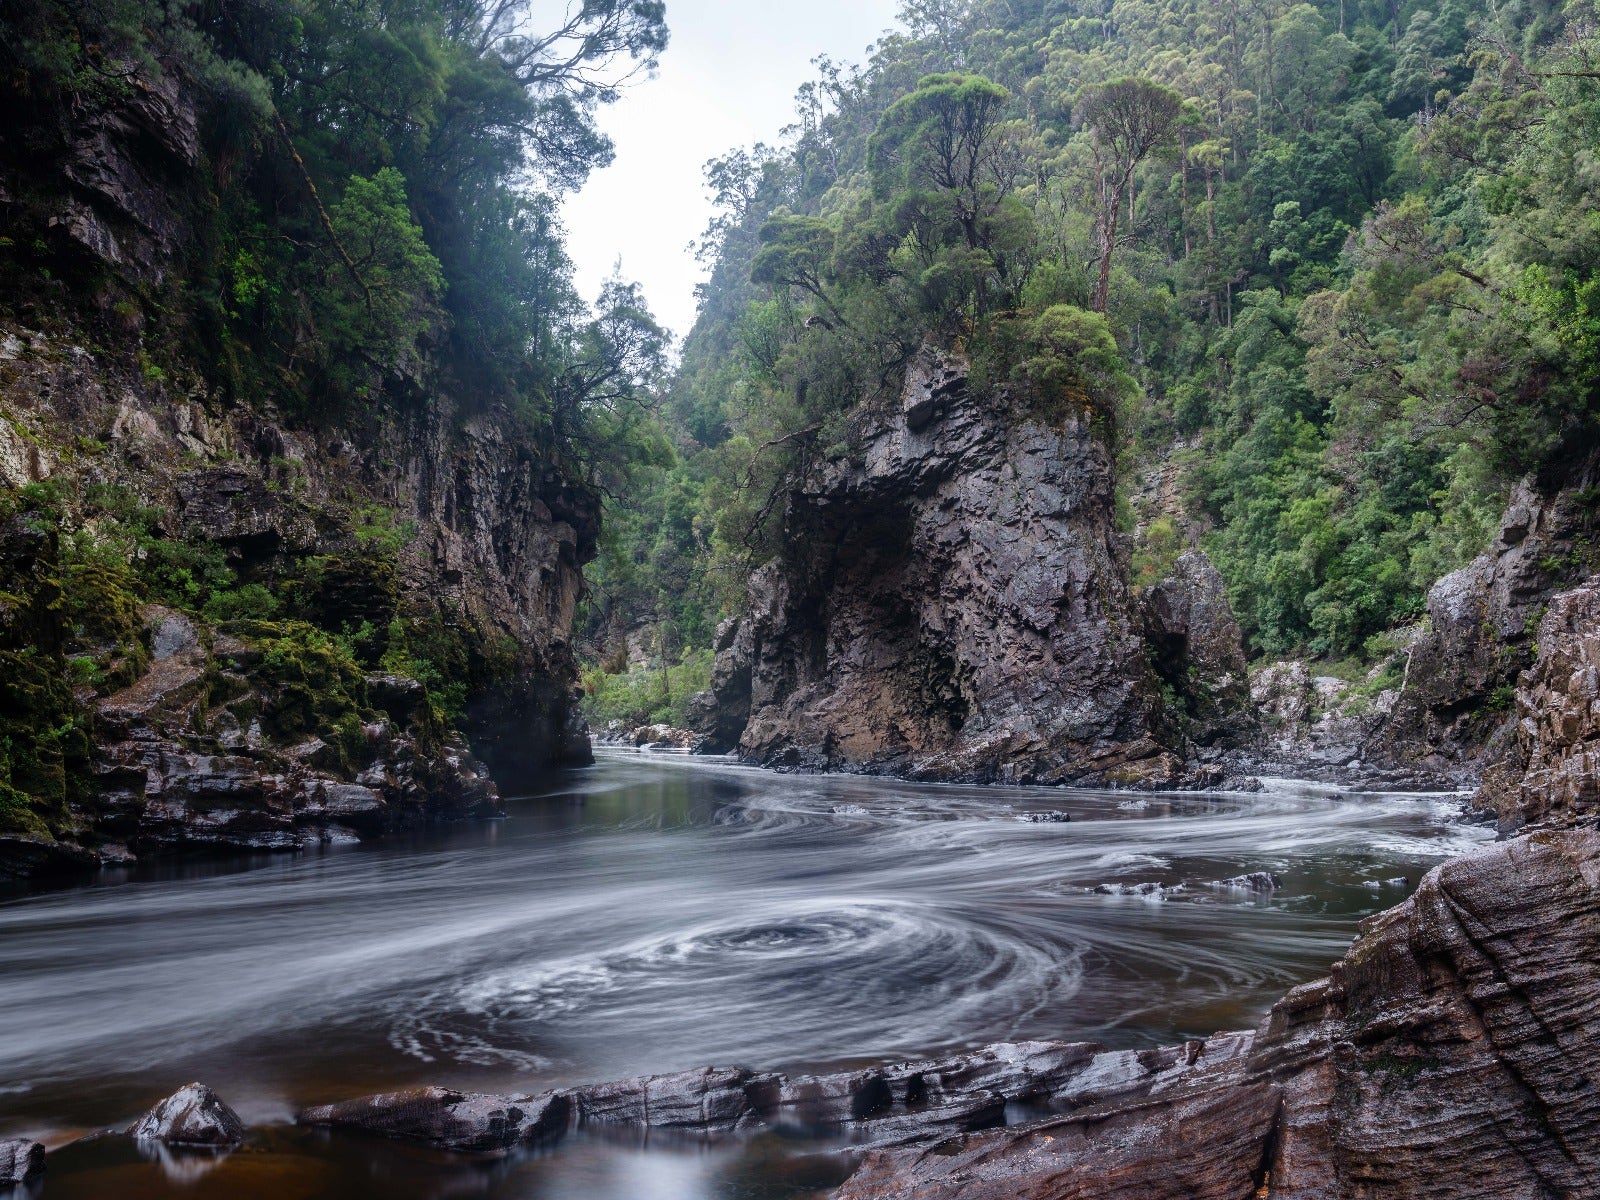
[(949, 605), (227, 620), (1439, 708)]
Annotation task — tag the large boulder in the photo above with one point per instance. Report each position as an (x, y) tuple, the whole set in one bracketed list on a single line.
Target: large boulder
[(194, 1115)]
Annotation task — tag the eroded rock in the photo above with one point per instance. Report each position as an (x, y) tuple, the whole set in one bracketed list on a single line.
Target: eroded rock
[(949, 605), (194, 1115), (20, 1161), (1551, 769), (448, 1119)]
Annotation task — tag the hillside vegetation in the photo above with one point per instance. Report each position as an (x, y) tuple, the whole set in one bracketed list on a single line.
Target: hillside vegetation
[(1336, 260)]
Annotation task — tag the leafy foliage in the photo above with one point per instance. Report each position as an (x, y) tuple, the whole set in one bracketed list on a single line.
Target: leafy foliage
[(1345, 254)]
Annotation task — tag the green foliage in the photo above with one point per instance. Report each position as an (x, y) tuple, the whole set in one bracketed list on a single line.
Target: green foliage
[(1348, 252), (375, 304), (646, 696), (374, 204), (316, 687)]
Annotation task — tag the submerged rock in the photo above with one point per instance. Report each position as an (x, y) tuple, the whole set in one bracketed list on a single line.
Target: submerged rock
[(192, 1116), (449, 1120), (20, 1161), (1255, 881)]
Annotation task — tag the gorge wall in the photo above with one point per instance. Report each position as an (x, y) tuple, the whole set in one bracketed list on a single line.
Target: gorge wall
[(952, 602), (949, 605), (424, 529), (1445, 1056)]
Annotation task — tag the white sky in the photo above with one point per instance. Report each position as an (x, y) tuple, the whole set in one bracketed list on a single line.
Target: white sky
[(728, 79)]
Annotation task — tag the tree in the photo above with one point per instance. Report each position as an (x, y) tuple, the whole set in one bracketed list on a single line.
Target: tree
[(947, 137), (1128, 118)]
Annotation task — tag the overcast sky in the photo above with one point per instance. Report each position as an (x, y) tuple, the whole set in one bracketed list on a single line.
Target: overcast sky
[(728, 79)]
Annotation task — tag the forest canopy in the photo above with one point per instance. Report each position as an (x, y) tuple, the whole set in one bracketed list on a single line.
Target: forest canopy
[(384, 180), (1336, 261)]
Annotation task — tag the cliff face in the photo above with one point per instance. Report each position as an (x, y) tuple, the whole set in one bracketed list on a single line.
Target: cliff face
[(949, 605), (427, 533)]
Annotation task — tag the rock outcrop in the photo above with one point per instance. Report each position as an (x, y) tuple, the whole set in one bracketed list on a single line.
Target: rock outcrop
[(193, 1116), (877, 1106), (1482, 626), (20, 1161), (1197, 649), (412, 513), (949, 605), (1551, 768)]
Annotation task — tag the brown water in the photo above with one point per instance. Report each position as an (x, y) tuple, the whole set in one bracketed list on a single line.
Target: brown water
[(654, 914)]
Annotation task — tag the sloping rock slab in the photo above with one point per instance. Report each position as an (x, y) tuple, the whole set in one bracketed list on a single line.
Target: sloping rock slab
[(20, 1161)]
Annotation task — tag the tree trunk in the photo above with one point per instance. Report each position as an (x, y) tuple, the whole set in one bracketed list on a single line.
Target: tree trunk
[(1108, 245)]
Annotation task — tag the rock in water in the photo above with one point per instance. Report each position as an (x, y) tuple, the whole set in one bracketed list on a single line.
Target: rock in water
[(192, 1116), (949, 605), (448, 1119), (20, 1161)]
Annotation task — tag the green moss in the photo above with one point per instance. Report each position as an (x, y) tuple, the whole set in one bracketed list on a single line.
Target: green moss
[(313, 687)]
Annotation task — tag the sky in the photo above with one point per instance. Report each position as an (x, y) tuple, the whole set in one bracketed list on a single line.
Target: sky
[(728, 79)]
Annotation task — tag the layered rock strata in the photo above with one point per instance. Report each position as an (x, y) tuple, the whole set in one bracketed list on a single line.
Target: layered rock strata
[(413, 506), (877, 1106), (1550, 772), (1447, 1055), (949, 605)]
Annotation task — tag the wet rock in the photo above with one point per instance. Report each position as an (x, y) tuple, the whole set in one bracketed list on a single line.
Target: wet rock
[(23, 857), (1446, 1056), (449, 1120), (1260, 882), (1145, 891), (20, 1161), (713, 1100), (664, 737), (192, 1116), (1551, 768), (949, 605), (1483, 629), (1198, 649), (1045, 818)]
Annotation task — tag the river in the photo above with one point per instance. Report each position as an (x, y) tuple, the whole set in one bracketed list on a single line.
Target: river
[(655, 913)]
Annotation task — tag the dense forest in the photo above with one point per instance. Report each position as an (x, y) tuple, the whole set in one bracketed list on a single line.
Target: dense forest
[(1334, 262)]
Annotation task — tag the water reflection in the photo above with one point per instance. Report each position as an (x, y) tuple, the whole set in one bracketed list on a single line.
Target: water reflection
[(656, 914)]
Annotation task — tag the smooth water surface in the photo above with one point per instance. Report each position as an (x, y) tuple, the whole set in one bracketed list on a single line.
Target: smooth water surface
[(656, 913)]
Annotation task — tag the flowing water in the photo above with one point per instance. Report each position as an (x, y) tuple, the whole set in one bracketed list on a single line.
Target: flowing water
[(656, 913)]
